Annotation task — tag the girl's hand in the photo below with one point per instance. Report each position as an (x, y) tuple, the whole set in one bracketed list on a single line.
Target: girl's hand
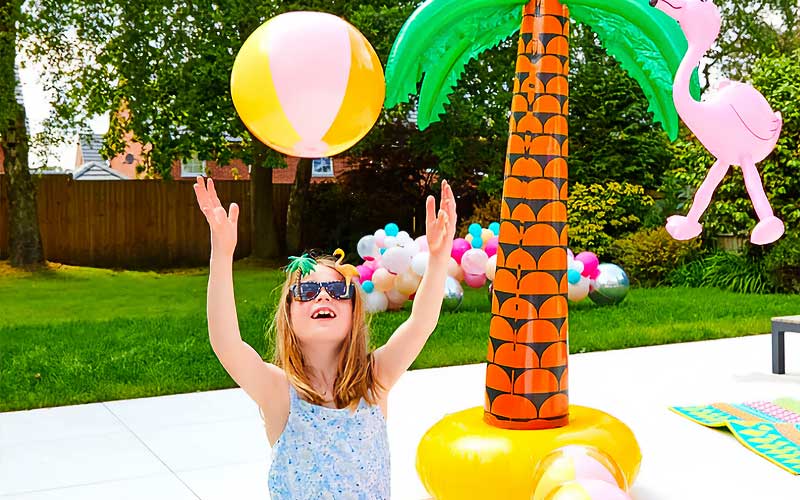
[(441, 228), (223, 225)]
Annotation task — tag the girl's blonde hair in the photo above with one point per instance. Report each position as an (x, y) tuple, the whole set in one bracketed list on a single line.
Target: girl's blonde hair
[(355, 378)]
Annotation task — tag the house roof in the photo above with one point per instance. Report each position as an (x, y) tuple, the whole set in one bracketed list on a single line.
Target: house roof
[(97, 171), (90, 145)]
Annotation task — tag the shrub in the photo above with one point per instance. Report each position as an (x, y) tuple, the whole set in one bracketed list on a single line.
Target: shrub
[(601, 213), (649, 255), (782, 263), (728, 271)]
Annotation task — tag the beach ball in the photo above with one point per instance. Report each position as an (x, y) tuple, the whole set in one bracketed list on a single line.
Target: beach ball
[(308, 84), (575, 462)]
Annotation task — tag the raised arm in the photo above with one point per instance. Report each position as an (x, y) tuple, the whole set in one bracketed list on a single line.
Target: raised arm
[(405, 344), (260, 380)]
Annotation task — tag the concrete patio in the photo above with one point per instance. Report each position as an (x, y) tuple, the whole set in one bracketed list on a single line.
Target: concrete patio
[(212, 445)]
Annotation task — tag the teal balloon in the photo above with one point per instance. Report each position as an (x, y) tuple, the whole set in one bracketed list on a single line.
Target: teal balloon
[(573, 276), (383, 251), (495, 228), (368, 286), (477, 242), (391, 229), (475, 229)]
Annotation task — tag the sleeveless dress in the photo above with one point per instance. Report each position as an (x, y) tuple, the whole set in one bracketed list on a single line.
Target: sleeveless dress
[(329, 453)]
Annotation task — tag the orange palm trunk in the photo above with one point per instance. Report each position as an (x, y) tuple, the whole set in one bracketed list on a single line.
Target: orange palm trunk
[(526, 376)]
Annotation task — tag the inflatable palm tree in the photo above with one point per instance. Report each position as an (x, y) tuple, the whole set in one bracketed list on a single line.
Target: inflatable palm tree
[(526, 375)]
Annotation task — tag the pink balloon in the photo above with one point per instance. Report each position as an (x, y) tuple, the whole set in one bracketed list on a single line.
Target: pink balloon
[(491, 246), (474, 261), (365, 272), (590, 263), (460, 246), (475, 280), (372, 264)]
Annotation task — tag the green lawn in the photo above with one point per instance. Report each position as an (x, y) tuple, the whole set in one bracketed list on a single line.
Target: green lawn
[(77, 335)]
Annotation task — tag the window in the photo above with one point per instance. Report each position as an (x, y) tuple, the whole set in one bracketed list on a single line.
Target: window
[(193, 167), (322, 167)]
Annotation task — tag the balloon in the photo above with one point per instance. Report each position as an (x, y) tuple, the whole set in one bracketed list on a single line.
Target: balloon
[(278, 92), (491, 246), (403, 236), (573, 276), (391, 229), (422, 242), (486, 235), (495, 228), (397, 260), (383, 280), (575, 462), (453, 267), (570, 255), (460, 245), (366, 247), (477, 242), (588, 489), (611, 285), (453, 294), (459, 276), (419, 263), (469, 239), (364, 272), (474, 261), (578, 291), (375, 302), (407, 282), (576, 265), (491, 267), (374, 263), (475, 280), (590, 263), (396, 298), (368, 286), (475, 229), (390, 241), (380, 238)]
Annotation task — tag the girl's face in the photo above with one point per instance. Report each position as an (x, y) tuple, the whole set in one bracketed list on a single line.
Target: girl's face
[(322, 319)]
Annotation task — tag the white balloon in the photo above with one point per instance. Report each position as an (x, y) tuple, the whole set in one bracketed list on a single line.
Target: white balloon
[(419, 263), (579, 290), (422, 242), (403, 236), (577, 265), (396, 260), (453, 269), (390, 241), (375, 302), (380, 233), (412, 247), (396, 297), (366, 246), (491, 267)]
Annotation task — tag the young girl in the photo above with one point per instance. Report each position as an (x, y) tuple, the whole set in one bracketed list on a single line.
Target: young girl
[(324, 399)]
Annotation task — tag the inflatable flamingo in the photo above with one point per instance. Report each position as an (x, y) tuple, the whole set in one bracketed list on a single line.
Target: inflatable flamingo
[(735, 124)]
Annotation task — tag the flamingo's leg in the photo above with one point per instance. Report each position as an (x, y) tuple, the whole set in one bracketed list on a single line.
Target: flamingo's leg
[(769, 227), (702, 199)]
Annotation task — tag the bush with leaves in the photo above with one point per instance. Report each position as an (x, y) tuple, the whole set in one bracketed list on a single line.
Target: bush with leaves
[(728, 271), (782, 263), (600, 213), (649, 255)]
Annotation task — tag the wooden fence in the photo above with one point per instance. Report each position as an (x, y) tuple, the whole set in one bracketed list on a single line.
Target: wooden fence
[(131, 224)]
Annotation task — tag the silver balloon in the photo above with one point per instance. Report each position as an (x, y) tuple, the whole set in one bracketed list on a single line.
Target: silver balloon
[(611, 286), (453, 294)]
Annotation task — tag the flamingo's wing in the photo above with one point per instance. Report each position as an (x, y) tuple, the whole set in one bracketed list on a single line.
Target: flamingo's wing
[(752, 109), (648, 44), (437, 41)]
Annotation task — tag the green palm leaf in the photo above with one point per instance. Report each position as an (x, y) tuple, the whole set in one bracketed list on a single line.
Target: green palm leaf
[(648, 44), (438, 40)]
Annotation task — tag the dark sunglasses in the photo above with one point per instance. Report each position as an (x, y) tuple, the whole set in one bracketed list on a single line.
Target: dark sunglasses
[(308, 290)]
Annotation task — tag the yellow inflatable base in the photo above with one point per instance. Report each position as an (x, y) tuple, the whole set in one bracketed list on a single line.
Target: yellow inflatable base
[(462, 457)]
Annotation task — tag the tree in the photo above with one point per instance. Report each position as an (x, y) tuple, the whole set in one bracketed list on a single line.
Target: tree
[(167, 66), (24, 241), (526, 377)]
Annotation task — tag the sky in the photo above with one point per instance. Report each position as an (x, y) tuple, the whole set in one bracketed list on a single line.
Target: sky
[(37, 107)]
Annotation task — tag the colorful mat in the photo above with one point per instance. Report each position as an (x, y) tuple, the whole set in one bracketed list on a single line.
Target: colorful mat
[(768, 428)]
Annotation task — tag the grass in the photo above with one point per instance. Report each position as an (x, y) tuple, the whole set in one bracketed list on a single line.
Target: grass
[(78, 335)]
